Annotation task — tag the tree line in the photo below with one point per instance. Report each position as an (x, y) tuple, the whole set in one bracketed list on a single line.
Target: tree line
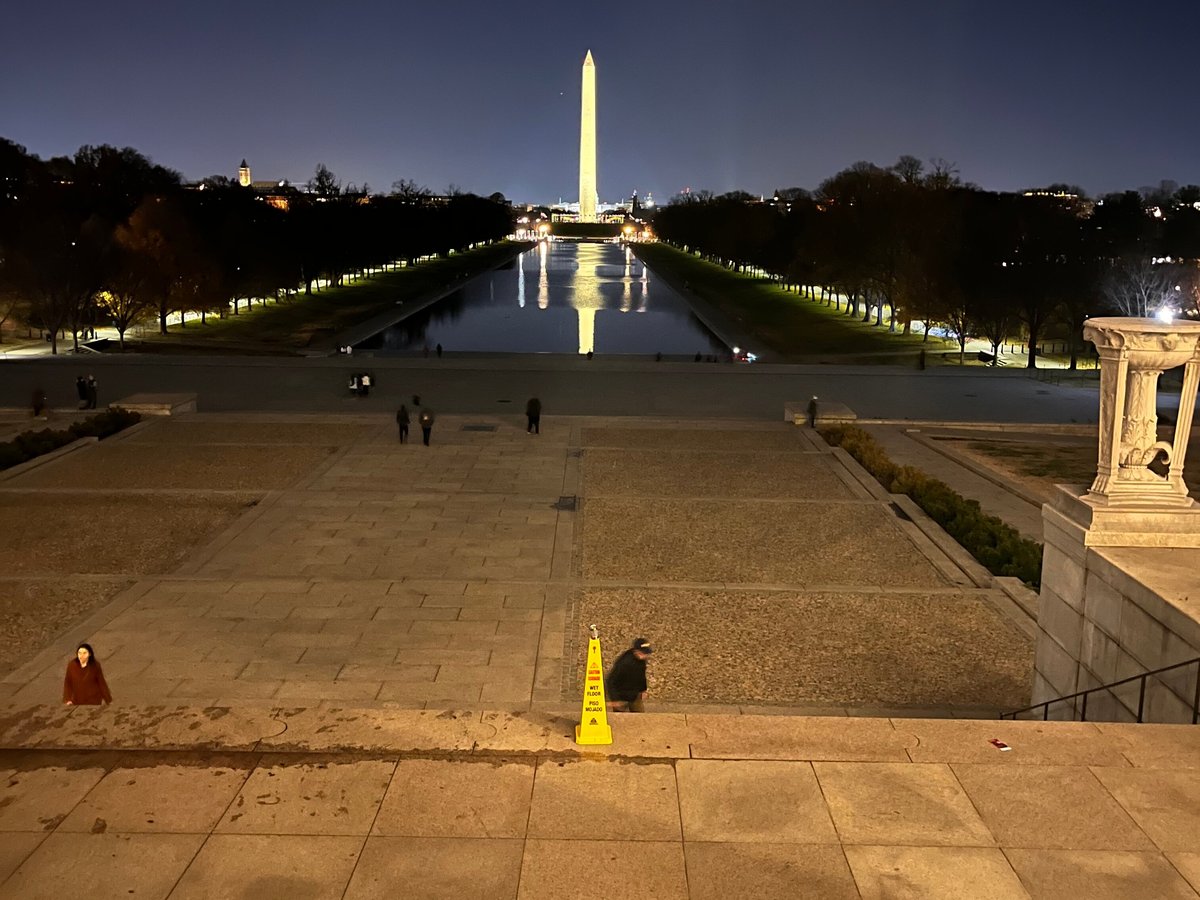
[(107, 237), (923, 246)]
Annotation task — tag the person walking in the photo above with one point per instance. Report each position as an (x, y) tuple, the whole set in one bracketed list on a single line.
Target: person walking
[(426, 419), (81, 388), (84, 684), (533, 413), (812, 412), (402, 423), (92, 389), (625, 686)]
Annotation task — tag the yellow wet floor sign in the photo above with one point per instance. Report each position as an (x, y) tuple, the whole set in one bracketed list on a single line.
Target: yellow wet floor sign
[(593, 723)]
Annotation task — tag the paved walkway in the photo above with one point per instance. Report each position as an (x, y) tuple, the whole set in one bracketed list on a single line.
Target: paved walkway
[(468, 805), (567, 385), (359, 572), (903, 449)]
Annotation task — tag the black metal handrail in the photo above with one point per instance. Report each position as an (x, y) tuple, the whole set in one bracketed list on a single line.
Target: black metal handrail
[(1045, 705)]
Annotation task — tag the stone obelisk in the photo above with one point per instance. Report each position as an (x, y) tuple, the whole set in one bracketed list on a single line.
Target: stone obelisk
[(587, 143)]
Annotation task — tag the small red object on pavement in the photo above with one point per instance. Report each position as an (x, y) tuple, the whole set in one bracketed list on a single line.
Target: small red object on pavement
[(999, 744)]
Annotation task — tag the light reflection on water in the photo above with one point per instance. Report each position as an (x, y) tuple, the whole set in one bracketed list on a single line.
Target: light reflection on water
[(558, 298)]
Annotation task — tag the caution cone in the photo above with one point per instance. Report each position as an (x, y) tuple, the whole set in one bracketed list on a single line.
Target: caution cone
[(593, 723)]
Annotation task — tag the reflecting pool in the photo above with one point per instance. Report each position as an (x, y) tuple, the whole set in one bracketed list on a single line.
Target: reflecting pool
[(559, 297)]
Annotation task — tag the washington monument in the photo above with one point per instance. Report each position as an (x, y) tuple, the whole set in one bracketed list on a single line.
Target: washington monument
[(587, 143)]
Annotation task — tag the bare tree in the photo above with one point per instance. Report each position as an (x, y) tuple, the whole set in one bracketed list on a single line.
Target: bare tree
[(409, 190), (324, 183), (909, 168), (1138, 287)]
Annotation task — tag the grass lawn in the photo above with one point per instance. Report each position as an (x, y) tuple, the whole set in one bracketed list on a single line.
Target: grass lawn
[(1062, 463), (312, 321), (789, 324)]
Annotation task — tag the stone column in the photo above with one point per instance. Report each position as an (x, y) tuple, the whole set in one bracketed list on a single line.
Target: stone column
[(1113, 600)]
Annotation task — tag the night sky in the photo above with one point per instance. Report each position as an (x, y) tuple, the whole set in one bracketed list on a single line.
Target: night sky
[(752, 95)]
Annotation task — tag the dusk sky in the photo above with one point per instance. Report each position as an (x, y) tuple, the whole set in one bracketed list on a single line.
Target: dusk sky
[(751, 95)]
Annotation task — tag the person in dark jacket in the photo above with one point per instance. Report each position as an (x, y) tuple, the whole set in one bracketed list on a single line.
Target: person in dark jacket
[(625, 686), (425, 418), (533, 412), (84, 684), (402, 422), (92, 392)]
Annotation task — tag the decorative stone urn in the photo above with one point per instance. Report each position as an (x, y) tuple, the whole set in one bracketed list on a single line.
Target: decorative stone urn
[(1133, 353)]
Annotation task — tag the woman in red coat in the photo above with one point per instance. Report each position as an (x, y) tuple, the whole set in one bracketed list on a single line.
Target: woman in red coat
[(85, 684)]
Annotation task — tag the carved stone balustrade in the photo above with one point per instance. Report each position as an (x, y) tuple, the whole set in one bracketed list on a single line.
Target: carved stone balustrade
[(1133, 354)]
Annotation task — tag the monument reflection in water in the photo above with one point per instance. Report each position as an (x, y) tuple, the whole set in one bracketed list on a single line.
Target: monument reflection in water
[(559, 297)]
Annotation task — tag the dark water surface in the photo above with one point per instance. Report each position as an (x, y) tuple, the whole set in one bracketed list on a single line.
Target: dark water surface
[(559, 297)]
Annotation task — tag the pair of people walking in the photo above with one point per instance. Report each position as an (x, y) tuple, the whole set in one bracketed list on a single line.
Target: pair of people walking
[(425, 418), (87, 390)]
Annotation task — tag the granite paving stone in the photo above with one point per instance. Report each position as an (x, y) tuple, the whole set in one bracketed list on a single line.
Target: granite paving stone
[(1166, 805), (754, 801), (39, 799), (587, 869), (933, 873), (589, 800), (107, 863), (434, 868), (918, 804), (15, 848), (1098, 875), (1053, 807), (455, 798), (717, 871), (1031, 743), (322, 798), (270, 867), (158, 799), (1188, 865)]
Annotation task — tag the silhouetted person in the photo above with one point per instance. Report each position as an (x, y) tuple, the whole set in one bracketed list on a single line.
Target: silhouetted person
[(402, 422), (625, 685), (812, 412), (658, 357), (426, 420), (92, 389), (39, 403), (533, 413), (697, 359), (439, 351)]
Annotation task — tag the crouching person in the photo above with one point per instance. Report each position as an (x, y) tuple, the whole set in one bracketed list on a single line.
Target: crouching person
[(625, 687)]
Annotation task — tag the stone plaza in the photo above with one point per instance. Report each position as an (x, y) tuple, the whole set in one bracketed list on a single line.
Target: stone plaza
[(344, 667), (315, 561)]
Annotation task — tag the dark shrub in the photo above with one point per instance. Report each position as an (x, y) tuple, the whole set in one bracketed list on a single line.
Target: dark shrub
[(29, 444)]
